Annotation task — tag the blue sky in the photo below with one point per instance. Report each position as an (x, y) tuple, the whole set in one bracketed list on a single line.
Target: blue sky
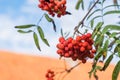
[(19, 12)]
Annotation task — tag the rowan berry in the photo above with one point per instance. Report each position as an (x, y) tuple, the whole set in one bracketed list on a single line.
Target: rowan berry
[(61, 39), (60, 46), (78, 38), (82, 49), (83, 60)]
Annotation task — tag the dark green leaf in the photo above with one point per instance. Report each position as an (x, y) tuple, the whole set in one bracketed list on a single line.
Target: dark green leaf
[(25, 26), (107, 62), (98, 56), (54, 26), (110, 27), (118, 41), (61, 32), (112, 12), (93, 13), (78, 4), (116, 71), (105, 48), (82, 5), (92, 23), (97, 28), (41, 33), (45, 41), (113, 35), (110, 6), (116, 48), (21, 31), (36, 40), (48, 18), (92, 70)]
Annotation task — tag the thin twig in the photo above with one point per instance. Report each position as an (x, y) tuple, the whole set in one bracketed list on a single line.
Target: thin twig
[(40, 19), (82, 21)]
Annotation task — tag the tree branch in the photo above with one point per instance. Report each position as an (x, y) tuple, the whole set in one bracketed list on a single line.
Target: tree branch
[(82, 21)]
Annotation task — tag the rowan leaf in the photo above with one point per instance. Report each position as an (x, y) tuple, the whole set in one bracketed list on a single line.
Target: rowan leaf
[(25, 26), (112, 12), (41, 33), (116, 71), (36, 40), (54, 26), (48, 18), (110, 27), (21, 31), (97, 10), (97, 28), (107, 62), (78, 4)]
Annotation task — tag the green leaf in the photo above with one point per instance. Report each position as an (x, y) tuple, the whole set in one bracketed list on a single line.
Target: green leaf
[(36, 40), (41, 33), (113, 35), (54, 26), (51, 20), (98, 55), (112, 12), (48, 18), (21, 31), (93, 13), (110, 27), (46, 42), (116, 71), (105, 49), (96, 17), (78, 4), (97, 28), (118, 41), (25, 26), (92, 23), (82, 5), (107, 62), (117, 49), (61, 32), (110, 6), (99, 40)]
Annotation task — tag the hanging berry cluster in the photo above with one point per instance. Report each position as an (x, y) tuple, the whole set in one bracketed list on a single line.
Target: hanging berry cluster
[(79, 48), (53, 7), (50, 75)]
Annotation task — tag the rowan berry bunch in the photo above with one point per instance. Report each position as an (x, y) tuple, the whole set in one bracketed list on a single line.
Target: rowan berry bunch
[(79, 48), (53, 7), (50, 75)]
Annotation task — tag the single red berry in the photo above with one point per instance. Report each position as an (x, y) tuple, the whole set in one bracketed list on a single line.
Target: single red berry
[(93, 51), (83, 60), (70, 46), (61, 39), (60, 46), (88, 35), (78, 38), (82, 49), (67, 55), (85, 44)]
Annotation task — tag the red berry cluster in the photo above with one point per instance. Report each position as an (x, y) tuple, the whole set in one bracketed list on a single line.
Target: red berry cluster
[(50, 74), (79, 48), (53, 7)]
